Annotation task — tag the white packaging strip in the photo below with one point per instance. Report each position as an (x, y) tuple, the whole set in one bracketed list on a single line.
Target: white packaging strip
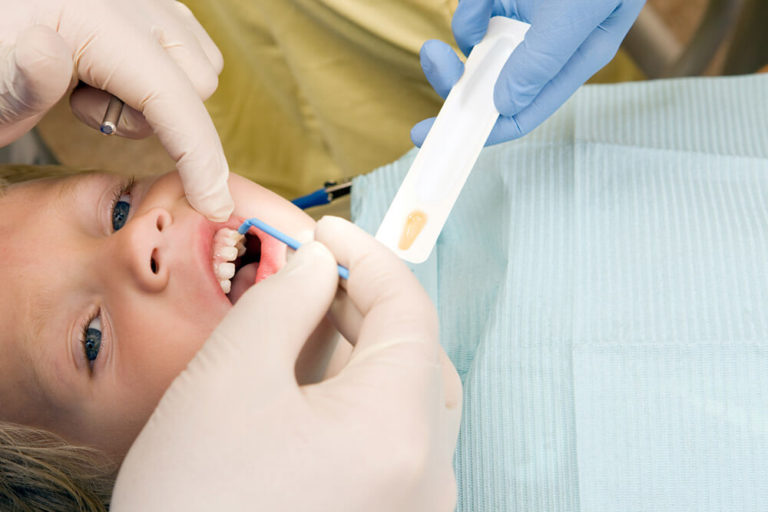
[(451, 148)]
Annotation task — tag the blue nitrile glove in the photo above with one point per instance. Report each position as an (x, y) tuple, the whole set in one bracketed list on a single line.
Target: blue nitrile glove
[(568, 42)]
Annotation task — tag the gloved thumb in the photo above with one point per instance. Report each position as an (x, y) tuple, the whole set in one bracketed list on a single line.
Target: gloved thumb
[(266, 329), (35, 72), (541, 61)]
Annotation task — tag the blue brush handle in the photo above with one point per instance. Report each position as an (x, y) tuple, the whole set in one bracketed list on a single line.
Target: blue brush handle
[(287, 240)]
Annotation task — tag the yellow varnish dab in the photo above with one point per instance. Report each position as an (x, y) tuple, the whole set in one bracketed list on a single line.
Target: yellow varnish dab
[(415, 222)]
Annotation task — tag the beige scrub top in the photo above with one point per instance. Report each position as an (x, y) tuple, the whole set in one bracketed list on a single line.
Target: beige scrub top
[(314, 90)]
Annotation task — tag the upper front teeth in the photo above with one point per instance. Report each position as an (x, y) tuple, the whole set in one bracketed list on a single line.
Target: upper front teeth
[(226, 253), (224, 270), (227, 246)]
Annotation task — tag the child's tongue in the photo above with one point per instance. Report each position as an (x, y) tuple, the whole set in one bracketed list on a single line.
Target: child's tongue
[(244, 279), (250, 275), (272, 258)]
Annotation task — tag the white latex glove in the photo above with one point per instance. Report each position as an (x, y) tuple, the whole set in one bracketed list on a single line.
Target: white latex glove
[(236, 432), (152, 54)]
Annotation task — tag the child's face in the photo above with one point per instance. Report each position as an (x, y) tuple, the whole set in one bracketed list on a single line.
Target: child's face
[(147, 289)]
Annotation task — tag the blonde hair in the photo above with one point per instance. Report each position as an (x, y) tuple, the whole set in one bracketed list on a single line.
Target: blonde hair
[(39, 471), (12, 174)]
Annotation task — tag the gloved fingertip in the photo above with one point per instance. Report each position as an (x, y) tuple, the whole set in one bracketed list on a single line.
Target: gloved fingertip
[(506, 129), (303, 238), (416, 137), (429, 49), (217, 205), (332, 223), (40, 44), (222, 213), (420, 130), (441, 66), (306, 236), (312, 256), (425, 58), (44, 64), (470, 23), (506, 99), (133, 125)]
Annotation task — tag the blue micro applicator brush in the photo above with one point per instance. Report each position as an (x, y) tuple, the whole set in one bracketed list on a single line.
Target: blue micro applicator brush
[(287, 240)]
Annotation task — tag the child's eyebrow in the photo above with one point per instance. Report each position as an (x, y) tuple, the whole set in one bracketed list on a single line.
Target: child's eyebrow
[(69, 187), (41, 307), (79, 194)]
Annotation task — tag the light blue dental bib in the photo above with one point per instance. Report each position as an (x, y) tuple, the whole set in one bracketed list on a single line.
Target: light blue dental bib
[(602, 287)]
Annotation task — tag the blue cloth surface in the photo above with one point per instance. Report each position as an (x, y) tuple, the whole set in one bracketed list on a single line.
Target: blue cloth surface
[(602, 286)]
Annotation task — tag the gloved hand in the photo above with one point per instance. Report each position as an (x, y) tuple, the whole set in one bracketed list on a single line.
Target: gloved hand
[(568, 42), (236, 432), (152, 54)]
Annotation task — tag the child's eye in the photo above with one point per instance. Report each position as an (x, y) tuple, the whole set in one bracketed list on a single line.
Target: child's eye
[(92, 338), (121, 205), (120, 211)]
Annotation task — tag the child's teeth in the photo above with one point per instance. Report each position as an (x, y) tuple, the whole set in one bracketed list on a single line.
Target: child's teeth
[(229, 236), (227, 253), (228, 245), (224, 270)]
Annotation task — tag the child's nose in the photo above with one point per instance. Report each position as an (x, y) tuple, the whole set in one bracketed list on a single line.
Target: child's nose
[(146, 248)]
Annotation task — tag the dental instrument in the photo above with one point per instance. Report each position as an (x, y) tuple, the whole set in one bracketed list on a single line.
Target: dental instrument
[(331, 190), (112, 116), (287, 240), (425, 198)]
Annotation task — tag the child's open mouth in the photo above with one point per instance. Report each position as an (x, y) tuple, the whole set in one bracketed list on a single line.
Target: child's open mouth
[(239, 263), (246, 268)]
